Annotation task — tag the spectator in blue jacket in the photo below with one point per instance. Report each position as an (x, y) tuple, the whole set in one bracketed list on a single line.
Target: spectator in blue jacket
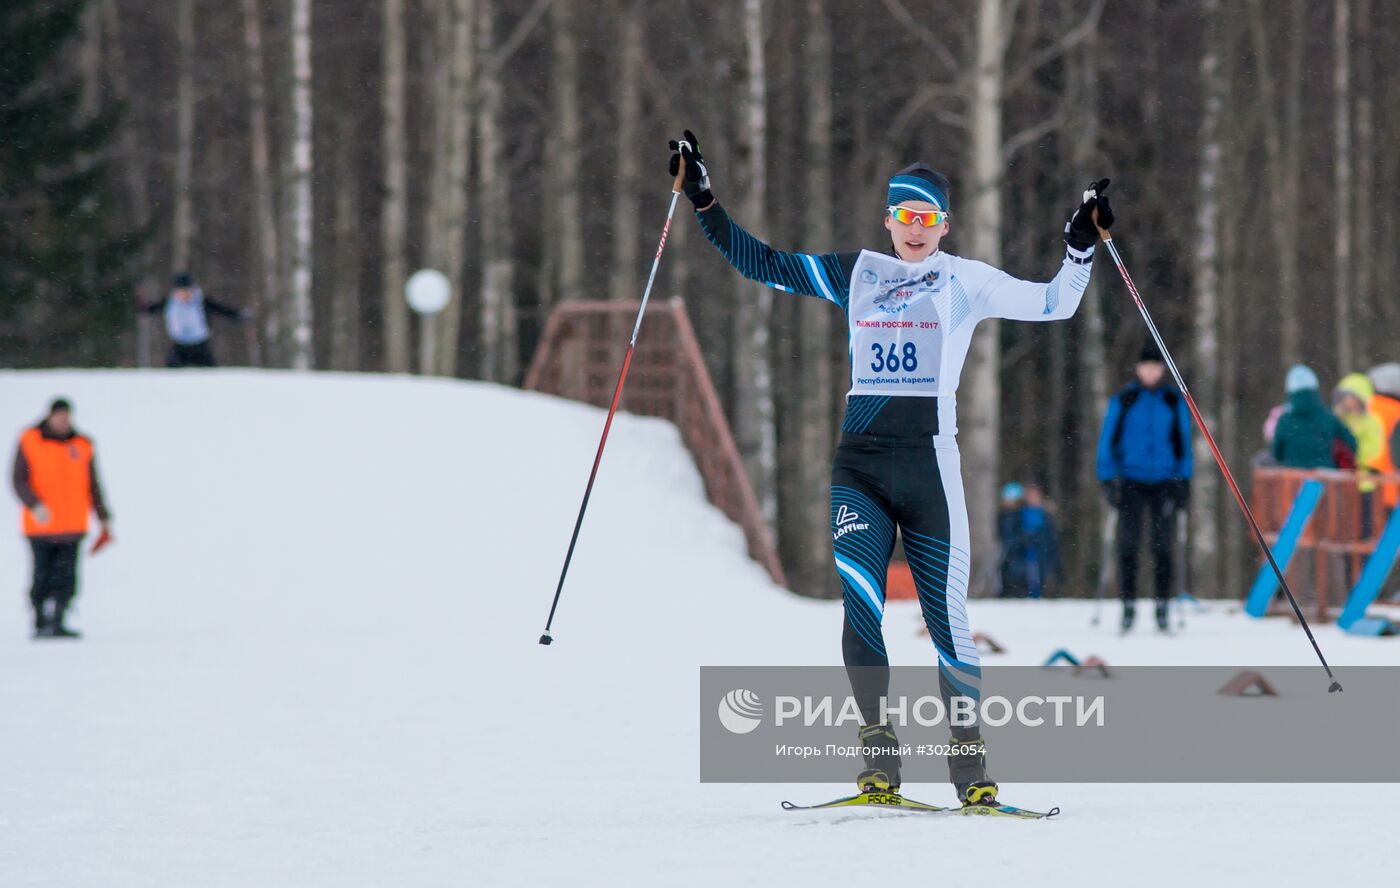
[(1030, 549), (1144, 465)]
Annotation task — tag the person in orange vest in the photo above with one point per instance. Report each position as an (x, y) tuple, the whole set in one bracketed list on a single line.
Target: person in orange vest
[(1385, 404), (55, 476)]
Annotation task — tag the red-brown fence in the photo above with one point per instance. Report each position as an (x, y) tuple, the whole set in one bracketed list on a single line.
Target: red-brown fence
[(1340, 537), (579, 357)]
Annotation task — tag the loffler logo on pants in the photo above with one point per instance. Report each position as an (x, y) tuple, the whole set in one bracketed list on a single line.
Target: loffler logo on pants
[(847, 521), (740, 711)]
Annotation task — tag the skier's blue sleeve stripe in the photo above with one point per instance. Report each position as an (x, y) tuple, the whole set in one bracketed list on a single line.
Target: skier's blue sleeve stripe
[(1052, 296), (961, 307), (819, 276), (809, 274)]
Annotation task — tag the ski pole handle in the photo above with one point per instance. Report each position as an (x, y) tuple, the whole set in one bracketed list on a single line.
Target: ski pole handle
[(676, 186), (1103, 232)]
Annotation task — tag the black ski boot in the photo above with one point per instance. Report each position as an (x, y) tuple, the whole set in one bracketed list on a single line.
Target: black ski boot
[(58, 630), (967, 768), (42, 625), (1129, 614), (1164, 623), (881, 752)]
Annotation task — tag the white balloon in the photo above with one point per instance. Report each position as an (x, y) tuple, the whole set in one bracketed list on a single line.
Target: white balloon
[(428, 291)]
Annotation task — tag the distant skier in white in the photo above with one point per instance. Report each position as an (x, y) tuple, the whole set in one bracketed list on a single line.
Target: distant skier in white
[(911, 312), (187, 321)]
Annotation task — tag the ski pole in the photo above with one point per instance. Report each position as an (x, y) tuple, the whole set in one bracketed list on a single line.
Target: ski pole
[(546, 638), (1184, 567), (1214, 449), (1110, 526)]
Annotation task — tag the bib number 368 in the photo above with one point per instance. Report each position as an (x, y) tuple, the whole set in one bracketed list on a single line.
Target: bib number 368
[(895, 359)]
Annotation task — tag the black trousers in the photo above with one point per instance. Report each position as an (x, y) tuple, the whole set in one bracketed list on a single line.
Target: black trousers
[(55, 573), (197, 355), (1156, 501), (912, 485)]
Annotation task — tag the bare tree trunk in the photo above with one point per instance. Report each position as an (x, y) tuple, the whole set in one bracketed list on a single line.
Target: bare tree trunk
[(90, 64), (626, 232), (499, 348), (1368, 346), (394, 213), (1205, 502), (979, 407), (266, 301), (1341, 183), (754, 423), (448, 238), (345, 311), (133, 165), (814, 377), (1094, 374), (183, 227), (563, 149), (1236, 132), (1291, 278), (300, 326), (1283, 192)]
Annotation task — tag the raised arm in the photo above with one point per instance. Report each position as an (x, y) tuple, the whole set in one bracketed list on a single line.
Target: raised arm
[(222, 310), (996, 294), (823, 275), (999, 295)]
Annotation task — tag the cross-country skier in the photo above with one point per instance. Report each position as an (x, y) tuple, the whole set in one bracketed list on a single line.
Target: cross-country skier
[(911, 312), (186, 312)]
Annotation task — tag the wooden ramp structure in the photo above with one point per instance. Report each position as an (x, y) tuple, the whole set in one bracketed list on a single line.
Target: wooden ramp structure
[(580, 356)]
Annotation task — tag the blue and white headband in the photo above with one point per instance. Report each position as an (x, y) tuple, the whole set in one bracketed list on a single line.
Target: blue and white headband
[(918, 182)]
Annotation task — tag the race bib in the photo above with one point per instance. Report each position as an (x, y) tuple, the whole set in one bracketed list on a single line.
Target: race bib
[(897, 331)]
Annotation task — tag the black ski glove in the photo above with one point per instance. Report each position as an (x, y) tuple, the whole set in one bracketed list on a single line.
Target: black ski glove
[(1080, 233), (1113, 493), (696, 184)]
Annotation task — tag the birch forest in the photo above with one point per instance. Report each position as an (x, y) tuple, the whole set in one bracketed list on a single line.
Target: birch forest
[(302, 159)]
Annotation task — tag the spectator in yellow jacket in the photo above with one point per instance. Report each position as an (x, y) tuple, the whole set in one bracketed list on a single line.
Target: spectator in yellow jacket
[(1350, 402)]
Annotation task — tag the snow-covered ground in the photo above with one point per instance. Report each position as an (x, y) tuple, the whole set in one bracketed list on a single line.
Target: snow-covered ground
[(311, 660)]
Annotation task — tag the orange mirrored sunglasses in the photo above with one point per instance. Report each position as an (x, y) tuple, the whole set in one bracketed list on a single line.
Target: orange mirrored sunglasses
[(926, 218)]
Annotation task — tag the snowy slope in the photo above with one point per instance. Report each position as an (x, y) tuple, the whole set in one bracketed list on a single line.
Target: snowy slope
[(311, 660)]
